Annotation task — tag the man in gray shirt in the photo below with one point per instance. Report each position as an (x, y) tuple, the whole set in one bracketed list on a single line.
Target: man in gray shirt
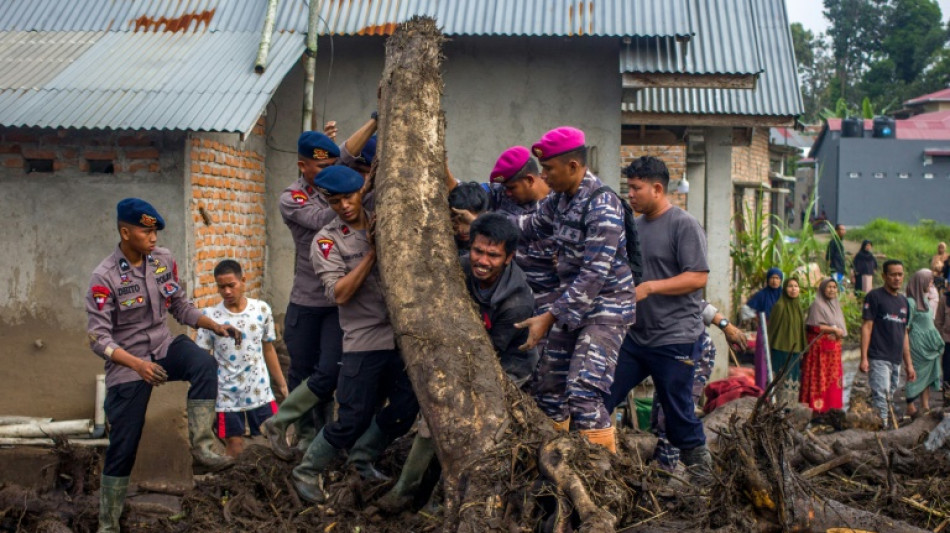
[(663, 343)]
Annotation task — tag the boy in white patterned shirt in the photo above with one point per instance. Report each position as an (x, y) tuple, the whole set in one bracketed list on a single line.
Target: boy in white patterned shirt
[(245, 372)]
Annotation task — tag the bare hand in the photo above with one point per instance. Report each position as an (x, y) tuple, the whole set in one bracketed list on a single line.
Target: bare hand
[(463, 215), (911, 374), (282, 392), (864, 366), (538, 327), (736, 336), (226, 330), (329, 129), (644, 289), (152, 373)]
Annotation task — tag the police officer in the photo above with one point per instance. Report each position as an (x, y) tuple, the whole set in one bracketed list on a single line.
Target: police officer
[(130, 293), (344, 258), (595, 304), (312, 326)]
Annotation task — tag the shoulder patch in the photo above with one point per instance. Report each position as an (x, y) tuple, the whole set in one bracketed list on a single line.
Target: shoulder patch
[(99, 295), (299, 197), (325, 246)]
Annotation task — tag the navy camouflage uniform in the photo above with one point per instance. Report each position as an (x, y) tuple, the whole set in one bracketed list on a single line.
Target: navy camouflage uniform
[(594, 307), (537, 258)]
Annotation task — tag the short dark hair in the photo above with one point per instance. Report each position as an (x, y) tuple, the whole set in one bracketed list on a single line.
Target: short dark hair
[(497, 229), (470, 196), (648, 168), (580, 154), (889, 263), (228, 266), (531, 167)]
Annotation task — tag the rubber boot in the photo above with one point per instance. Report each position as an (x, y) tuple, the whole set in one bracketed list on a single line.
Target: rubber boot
[(307, 477), (201, 434), (564, 425), (111, 500), (605, 437), (306, 430), (295, 405), (404, 491), (698, 463), (371, 444)]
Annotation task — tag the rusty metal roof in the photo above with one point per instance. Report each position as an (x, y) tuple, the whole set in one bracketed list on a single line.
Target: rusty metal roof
[(776, 93), (357, 17), (125, 80)]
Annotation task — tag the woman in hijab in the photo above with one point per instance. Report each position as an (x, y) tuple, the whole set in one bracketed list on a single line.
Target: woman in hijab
[(865, 265), (762, 301), (822, 384), (926, 345), (787, 340)]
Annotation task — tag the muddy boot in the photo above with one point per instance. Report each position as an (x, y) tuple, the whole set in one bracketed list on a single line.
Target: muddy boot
[(111, 500), (605, 437), (404, 491), (201, 435), (371, 444), (322, 414), (295, 405), (698, 463), (307, 477), (306, 430)]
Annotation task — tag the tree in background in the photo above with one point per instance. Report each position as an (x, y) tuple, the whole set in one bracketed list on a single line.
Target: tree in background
[(856, 32), (815, 70)]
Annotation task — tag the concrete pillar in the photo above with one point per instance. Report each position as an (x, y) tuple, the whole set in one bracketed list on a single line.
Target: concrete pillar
[(718, 214), (696, 199)]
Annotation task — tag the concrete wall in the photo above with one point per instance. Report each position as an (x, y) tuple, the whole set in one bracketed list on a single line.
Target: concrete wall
[(909, 199), (498, 92)]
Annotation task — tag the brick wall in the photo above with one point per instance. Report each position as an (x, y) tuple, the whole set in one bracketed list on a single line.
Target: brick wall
[(71, 151), (673, 155), (227, 209)]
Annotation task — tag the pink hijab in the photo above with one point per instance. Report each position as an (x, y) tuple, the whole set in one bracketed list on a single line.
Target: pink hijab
[(826, 312)]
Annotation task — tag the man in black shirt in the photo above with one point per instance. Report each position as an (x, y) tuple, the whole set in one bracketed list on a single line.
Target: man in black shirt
[(884, 340)]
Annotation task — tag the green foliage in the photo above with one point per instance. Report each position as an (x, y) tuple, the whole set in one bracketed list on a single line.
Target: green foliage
[(914, 245), (867, 110), (841, 110), (766, 243)]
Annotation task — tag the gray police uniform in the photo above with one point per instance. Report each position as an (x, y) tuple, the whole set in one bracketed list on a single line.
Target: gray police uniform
[(372, 367), (126, 307), (311, 327), (594, 307)]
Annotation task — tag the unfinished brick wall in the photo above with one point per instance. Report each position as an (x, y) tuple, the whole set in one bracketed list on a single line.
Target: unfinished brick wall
[(673, 155), (750, 164), (227, 209), (72, 151)]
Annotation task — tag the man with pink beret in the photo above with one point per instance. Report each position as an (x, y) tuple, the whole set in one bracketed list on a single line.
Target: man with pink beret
[(595, 301), (516, 190)]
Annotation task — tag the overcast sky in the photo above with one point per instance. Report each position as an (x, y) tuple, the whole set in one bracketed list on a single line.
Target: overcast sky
[(808, 12)]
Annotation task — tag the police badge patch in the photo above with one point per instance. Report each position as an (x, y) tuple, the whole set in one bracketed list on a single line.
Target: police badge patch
[(99, 295), (325, 246)]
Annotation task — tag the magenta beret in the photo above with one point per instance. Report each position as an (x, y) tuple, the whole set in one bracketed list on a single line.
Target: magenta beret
[(558, 141), (509, 164)]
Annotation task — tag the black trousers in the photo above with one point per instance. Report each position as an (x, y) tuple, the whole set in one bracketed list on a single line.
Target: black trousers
[(314, 340), (126, 403), (367, 378)]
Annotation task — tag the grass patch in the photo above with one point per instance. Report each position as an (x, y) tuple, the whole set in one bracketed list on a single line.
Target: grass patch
[(914, 245)]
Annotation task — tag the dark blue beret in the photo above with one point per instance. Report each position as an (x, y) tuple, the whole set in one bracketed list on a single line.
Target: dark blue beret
[(315, 145), (139, 213), (369, 152), (338, 179)]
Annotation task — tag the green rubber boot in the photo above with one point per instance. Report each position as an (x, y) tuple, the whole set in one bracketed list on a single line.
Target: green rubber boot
[(699, 464), (111, 500), (402, 494), (297, 404), (201, 435), (307, 477), (371, 444)]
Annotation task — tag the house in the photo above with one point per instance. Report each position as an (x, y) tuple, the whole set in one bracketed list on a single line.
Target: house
[(866, 172), (100, 100)]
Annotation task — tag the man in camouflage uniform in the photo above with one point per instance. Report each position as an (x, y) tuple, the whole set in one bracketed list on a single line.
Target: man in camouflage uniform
[(517, 190), (595, 304)]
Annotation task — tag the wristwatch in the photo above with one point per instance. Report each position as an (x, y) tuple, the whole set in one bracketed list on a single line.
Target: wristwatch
[(723, 323)]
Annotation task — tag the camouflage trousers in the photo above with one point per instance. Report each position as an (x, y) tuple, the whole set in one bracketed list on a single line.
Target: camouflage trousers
[(575, 373), (666, 454)]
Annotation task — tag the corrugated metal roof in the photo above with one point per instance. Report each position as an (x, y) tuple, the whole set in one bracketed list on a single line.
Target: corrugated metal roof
[(181, 81), (939, 96), (776, 92), (359, 17), (719, 46), (28, 60)]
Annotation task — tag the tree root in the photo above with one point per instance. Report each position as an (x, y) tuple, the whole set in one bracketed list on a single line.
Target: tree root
[(552, 461)]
